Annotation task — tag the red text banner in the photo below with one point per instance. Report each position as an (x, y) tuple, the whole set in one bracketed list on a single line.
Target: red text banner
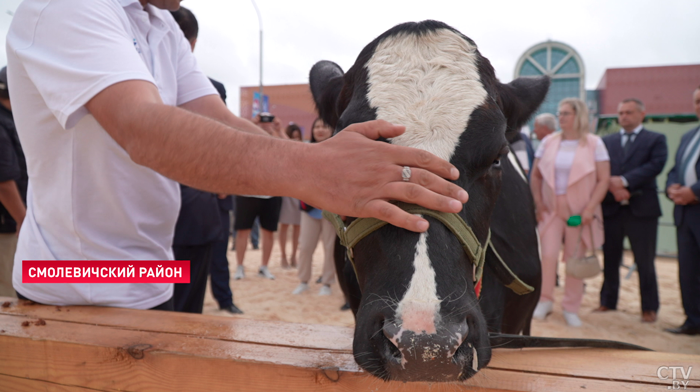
[(103, 271)]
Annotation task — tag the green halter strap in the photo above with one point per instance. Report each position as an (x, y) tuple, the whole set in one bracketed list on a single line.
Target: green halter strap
[(362, 227)]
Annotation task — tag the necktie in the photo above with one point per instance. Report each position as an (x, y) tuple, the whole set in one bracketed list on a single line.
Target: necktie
[(628, 144), (688, 158)]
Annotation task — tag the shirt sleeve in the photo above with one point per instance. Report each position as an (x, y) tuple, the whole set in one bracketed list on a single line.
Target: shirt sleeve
[(601, 152), (73, 49), (192, 83), (540, 149)]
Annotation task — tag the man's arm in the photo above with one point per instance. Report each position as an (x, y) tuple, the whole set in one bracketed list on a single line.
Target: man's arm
[(213, 107), (11, 199), (348, 174), (652, 168)]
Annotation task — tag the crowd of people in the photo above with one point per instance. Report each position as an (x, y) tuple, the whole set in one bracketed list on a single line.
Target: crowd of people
[(609, 185), (137, 113)]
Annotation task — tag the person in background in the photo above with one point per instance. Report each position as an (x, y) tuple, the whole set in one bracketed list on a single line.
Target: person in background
[(522, 148), (631, 207), (570, 176), (13, 188), (200, 225), (683, 188), (290, 215), (545, 124), (313, 228), (266, 208)]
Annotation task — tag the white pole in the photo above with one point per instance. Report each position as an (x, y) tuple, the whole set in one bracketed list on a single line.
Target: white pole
[(257, 11)]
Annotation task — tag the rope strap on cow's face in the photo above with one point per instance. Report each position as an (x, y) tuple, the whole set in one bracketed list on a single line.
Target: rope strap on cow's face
[(360, 228)]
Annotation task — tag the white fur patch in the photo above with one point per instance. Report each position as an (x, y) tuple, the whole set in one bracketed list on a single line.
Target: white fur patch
[(419, 309), (430, 84)]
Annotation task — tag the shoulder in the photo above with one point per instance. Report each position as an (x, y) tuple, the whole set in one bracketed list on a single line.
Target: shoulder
[(595, 140), (654, 134), (610, 137)]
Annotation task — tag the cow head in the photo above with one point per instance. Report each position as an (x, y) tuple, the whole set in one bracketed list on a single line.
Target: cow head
[(419, 318)]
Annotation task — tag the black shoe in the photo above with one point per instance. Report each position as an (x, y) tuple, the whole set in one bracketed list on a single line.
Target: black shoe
[(233, 309), (684, 330), (255, 247), (319, 280), (345, 306)]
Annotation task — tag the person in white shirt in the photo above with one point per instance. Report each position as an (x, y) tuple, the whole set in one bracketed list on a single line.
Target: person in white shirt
[(113, 111)]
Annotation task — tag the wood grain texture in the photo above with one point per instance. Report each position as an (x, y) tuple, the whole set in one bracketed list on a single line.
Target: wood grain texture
[(108, 349)]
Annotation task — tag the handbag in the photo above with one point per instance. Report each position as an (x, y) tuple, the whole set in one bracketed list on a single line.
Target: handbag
[(586, 266)]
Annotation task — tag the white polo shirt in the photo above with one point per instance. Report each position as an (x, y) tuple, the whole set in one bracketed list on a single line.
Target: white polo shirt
[(87, 200)]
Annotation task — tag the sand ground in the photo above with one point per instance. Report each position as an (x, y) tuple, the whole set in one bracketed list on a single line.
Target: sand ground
[(265, 299)]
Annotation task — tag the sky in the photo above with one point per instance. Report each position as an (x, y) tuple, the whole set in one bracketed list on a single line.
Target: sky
[(298, 33)]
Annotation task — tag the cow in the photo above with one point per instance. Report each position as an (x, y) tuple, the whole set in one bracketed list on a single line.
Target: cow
[(417, 314)]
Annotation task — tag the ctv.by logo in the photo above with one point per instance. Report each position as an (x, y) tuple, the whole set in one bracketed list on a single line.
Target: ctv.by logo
[(664, 371)]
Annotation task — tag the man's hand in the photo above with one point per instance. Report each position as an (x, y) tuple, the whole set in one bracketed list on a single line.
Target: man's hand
[(351, 174), (682, 195), (616, 184), (621, 194)]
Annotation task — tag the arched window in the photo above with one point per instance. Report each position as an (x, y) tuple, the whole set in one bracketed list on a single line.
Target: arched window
[(561, 63)]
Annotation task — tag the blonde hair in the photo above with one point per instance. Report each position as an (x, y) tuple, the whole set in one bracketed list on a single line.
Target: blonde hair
[(580, 116)]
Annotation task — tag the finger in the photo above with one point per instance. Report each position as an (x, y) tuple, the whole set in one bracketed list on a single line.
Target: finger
[(416, 194), (436, 184), (413, 157), (376, 129), (392, 214)]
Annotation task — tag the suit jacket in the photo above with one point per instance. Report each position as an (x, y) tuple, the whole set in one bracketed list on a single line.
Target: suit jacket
[(582, 182), (691, 213), (645, 161)]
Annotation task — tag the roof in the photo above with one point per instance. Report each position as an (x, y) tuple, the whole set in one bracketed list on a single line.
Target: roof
[(666, 90)]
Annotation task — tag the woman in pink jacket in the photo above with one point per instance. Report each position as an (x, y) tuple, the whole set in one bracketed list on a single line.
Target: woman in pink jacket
[(570, 177)]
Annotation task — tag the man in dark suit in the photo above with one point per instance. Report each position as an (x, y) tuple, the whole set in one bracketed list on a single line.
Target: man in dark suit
[(202, 229), (683, 188), (631, 208)]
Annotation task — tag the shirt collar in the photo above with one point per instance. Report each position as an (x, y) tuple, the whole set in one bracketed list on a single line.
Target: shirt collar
[(635, 131)]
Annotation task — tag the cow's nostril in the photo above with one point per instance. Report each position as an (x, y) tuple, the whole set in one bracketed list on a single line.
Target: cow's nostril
[(388, 340)]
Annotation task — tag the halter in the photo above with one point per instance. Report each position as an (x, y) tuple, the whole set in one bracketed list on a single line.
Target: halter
[(360, 228)]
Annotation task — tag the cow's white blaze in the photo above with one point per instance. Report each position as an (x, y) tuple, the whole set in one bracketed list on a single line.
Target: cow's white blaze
[(419, 309), (429, 83)]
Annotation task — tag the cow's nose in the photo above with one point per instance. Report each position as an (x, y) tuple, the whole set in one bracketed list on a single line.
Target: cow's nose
[(443, 343)]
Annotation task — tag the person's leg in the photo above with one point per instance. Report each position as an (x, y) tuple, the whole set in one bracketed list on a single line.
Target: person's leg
[(296, 229), (283, 244), (612, 253), (220, 275), (267, 242), (642, 235), (550, 242), (573, 287), (242, 242), (328, 241), (689, 272), (246, 211), (8, 244), (308, 239), (189, 297)]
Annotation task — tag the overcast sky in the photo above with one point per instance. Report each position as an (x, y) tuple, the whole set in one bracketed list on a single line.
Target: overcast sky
[(297, 33)]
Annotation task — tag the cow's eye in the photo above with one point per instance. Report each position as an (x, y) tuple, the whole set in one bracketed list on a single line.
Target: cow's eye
[(497, 163)]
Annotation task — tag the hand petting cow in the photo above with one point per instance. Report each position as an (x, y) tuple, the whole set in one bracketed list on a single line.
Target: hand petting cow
[(418, 317)]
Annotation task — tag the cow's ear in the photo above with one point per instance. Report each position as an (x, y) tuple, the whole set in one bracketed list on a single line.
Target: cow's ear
[(520, 98), (326, 83)]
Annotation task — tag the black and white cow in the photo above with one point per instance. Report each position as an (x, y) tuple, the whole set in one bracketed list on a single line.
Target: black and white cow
[(418, 318)]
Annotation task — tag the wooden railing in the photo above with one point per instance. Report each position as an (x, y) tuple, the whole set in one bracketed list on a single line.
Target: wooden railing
[(108, 349)]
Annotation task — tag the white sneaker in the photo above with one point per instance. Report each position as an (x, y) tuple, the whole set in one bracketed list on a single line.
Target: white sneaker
[(300, 289), (240, 273), (325, 290), (572, 319), (265, 273), (542, 310)]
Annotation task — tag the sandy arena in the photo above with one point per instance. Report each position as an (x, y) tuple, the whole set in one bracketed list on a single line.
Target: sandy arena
[(267, 299)]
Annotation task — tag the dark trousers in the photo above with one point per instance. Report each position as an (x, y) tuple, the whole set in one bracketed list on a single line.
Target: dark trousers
[(220, 275), (167, 305), (689, 270), (641, 232), (189, 297)]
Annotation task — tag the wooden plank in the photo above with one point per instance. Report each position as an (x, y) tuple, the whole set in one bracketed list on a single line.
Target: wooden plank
[(229, 328), (18, 384), (142, 350)]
